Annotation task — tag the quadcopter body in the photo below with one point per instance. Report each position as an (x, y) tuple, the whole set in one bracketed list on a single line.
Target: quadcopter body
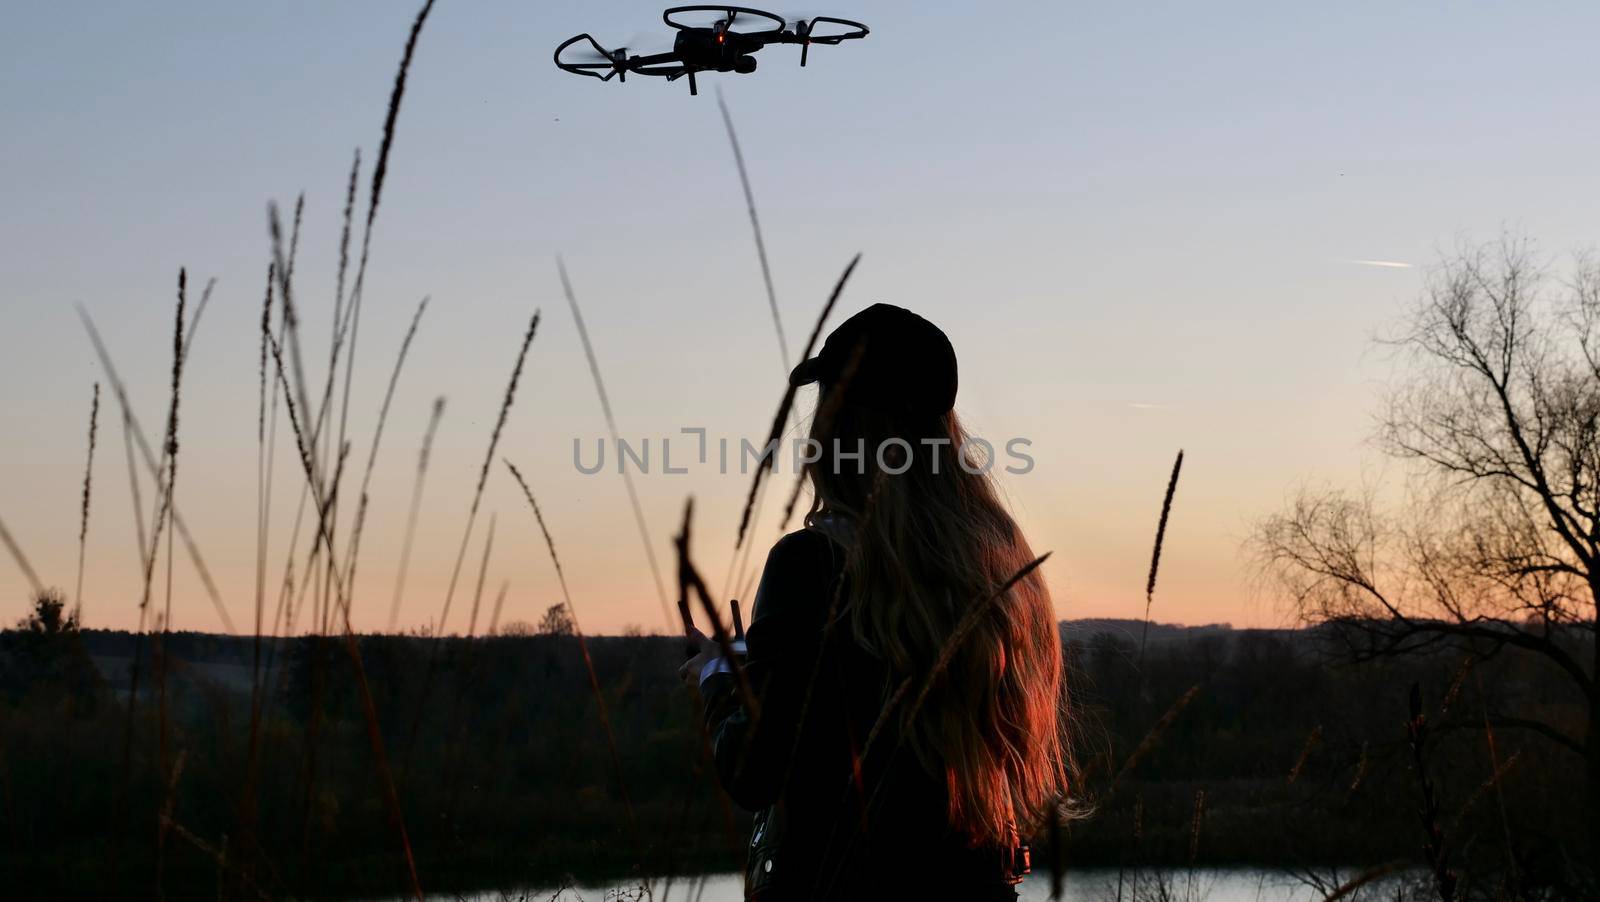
[(727, 43)]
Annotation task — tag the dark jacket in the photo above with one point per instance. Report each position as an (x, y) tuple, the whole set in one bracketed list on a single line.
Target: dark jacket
[(823, 829)]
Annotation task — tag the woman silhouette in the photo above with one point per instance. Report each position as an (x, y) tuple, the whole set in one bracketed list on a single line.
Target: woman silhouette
[(908, 720)]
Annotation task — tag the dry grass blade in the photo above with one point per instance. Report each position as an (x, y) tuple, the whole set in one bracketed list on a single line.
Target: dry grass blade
[(180, 353), (283, 265), (611, 426), (755, 227), (1376, 872), (499, 604), (483, 575), (1155, 552), (488, 458), (194, 321), (689, 578), (354, 551), (1196, 821), (583, 645), (969, 621), (1152, 738), (379, 172), (344, 242), (824, 417), (21, 559), (416, 506), (466, 537), (305, 451), (133, 486), (130, 423), (958, 636), (261, 505), (88, 489), (169, 453), (368, 706), (390, 117), (353, 316), (1492, 784), (769, 455), (1312, 739)]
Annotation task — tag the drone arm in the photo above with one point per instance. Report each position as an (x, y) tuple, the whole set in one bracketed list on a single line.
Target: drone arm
[(655, 59)]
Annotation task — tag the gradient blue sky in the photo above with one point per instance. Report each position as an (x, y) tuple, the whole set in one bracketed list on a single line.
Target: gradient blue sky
[(1136, 224)]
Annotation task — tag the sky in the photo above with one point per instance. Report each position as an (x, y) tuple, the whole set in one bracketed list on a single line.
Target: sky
[(1144, 229)]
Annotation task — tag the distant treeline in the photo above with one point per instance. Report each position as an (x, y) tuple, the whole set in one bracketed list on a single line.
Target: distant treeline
[(1207, 746)]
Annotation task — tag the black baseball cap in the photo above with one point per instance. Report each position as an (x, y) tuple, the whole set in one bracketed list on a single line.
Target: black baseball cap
[(906, 362)]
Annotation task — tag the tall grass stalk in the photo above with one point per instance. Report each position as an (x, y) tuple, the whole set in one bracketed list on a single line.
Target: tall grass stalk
[(973, 615), (379, 172), (826, 412), (769, 457), (133, 485), (352, 648), (583, 645), (353, 551), (1434, 847), (958, 636), (1312, 739), (1351, 887), (755, 228), (22, 560), (1153, 737), (284, 267), (466, 537), (488, 459), (88, 490), (416, 506), (179, 353), (689, 579), (154, 468), (499, 604), (344, 242), (261, 488), (169, 448), (247, 795), (483, 575), (1155, 552), (194, 320), (611, 427)]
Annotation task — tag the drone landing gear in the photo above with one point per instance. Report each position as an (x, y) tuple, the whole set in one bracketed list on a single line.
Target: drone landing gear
[(694, 89)]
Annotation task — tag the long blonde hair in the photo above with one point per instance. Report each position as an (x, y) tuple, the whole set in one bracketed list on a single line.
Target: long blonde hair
[(930, 543)]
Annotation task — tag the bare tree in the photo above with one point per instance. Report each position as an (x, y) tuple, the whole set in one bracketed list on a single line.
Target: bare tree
[(1495, 415), (557, 621)]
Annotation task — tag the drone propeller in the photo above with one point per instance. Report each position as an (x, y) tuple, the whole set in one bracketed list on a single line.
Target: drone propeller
[(818, 29), (741, 19), (593, 59)]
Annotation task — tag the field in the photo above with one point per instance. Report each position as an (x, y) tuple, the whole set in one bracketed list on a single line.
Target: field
[(1434, 742)]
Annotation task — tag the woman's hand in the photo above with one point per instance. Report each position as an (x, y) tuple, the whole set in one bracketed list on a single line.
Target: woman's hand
[(706, 649)]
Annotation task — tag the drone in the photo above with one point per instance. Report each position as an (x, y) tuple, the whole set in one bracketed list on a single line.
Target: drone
[(716, 47)]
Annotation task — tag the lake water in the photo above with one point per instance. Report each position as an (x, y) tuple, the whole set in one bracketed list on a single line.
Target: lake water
[(1199, 885)]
